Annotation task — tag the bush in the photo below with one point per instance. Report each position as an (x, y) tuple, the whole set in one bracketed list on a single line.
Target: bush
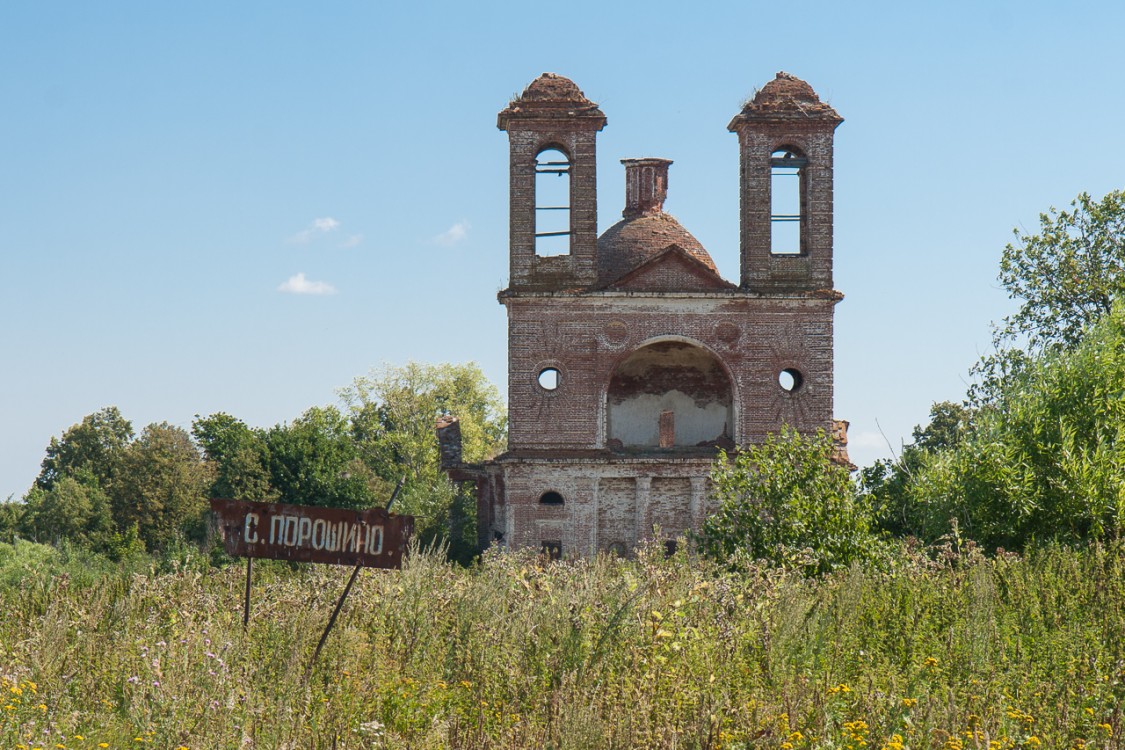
[(786, 502), (1045, 460)]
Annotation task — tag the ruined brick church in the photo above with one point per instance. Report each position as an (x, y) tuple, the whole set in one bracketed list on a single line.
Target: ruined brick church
[(630, 359)]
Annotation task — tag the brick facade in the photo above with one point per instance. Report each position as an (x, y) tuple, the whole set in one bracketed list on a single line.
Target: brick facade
[(630, 360)]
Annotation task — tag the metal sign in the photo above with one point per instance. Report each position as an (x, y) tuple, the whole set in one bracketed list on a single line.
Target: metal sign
[(304, 533)]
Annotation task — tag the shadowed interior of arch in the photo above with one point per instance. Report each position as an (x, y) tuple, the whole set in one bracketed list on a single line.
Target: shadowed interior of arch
[(669, 394)]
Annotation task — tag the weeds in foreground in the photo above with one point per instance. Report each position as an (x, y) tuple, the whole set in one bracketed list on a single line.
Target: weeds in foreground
[(960, 653)]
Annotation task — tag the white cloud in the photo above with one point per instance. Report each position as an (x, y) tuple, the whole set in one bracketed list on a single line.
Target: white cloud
[(353, 240), (318, 226), (453, 235), (299, 284)]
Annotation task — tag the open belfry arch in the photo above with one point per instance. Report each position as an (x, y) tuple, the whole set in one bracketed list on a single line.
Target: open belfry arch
[(631, 361)]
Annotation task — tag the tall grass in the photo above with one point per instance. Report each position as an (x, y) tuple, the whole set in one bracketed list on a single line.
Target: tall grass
[(957, 651)]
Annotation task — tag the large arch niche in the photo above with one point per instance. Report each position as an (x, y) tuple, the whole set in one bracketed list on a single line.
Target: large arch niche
[(669, 394)]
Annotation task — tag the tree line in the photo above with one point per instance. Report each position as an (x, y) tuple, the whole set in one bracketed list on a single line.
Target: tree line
[(104, 486)]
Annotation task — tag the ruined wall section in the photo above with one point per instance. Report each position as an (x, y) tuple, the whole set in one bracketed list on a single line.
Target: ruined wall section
[(585, 337), (608, 506), (812, 267)]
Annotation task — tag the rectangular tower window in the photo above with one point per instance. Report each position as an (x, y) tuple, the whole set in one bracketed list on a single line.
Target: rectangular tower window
[(552, 203), (787, 173)]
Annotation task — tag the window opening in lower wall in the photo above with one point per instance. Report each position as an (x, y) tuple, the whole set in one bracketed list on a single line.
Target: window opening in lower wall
[(551, 498)]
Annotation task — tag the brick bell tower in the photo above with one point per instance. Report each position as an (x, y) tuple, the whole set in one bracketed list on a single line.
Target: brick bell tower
[(785, 138), (631, 361)]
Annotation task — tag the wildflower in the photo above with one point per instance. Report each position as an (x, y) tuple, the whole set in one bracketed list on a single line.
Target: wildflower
[(786, 746), (930, 662), (909, 702), (1106, 728), (1032, 741), (103, 744), (1089, 711)]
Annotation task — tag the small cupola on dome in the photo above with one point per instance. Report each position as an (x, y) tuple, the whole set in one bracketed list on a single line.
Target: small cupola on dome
[(646, 229)]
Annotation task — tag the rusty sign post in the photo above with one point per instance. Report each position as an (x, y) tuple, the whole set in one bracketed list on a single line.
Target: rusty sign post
[(303, 533)]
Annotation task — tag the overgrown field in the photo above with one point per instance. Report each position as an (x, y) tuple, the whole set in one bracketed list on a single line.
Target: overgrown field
[(944, 651)]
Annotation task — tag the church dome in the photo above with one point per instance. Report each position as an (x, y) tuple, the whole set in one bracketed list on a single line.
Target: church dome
[(646, 230), (631, 242)]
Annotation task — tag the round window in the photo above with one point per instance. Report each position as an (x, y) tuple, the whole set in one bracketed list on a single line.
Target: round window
[(549, 378), (790, 380)]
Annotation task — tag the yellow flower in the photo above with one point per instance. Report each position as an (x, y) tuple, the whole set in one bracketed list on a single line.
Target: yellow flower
[(909, 702), (1089, 711), (930, 662), (42, 707), (786, 746), (103, 744), (1107, 729), (1032, 741)]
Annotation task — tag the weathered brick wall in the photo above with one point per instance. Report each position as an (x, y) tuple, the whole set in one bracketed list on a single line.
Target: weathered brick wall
[(761, 269), (755, 338), (609, 505), (579, 268)]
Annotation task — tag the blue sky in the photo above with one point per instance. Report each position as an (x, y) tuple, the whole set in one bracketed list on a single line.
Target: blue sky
[(241, 207)]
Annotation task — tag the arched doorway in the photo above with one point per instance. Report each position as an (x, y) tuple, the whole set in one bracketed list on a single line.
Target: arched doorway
[(669, 394)]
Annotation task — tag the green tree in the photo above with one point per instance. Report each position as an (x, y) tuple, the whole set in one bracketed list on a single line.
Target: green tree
[(1068, 274), (887, 481), (239, 456), (93, 446), (315, 460), (393, 411), (74, 509), (1045, 459), (786, 502), (161, 486)]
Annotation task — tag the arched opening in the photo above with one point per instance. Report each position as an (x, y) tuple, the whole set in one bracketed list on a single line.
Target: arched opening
[(552, 202), (787, 204), (551, 498), (668, 395)]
